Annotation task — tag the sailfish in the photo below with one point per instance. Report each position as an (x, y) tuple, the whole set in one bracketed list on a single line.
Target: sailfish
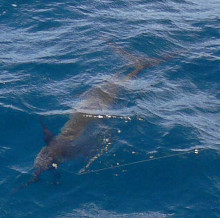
[(68, 145)]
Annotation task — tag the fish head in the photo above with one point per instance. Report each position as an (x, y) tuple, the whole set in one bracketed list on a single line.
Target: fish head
[(45, 160)]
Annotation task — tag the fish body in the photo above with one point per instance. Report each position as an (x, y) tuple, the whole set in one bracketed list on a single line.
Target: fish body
[(70, 143)]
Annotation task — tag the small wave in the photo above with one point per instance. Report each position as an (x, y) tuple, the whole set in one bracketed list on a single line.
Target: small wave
[(91, 210), (11, 107)]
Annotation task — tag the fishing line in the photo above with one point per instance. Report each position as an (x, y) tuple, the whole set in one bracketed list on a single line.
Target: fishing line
[(152, 158)]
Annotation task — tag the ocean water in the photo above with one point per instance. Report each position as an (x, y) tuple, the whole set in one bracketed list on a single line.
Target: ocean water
[(53, 52)]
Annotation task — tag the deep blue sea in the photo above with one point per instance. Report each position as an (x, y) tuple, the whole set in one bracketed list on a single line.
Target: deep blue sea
[(166, 119)]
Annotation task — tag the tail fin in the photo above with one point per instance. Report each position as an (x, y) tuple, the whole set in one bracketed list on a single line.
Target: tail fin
[(119, 50), (140, 63), (148, 63)]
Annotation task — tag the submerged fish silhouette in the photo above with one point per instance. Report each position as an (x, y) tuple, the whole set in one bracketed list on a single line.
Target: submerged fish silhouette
[(66, 145)]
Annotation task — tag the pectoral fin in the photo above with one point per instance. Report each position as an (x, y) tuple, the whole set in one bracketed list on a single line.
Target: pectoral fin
[(48, 135)]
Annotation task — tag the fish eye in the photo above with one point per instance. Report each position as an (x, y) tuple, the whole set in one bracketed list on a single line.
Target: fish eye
[(55, 165)]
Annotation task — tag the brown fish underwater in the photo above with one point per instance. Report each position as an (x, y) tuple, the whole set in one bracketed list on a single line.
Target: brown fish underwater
[(67, 144)]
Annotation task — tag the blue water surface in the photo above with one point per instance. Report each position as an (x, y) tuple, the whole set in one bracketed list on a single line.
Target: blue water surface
[(52, 52)]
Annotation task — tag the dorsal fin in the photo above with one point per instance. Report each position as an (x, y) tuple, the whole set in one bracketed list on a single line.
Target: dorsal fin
[(48, 135)]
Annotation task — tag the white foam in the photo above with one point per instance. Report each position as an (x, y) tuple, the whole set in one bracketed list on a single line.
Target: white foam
[(91, 210)]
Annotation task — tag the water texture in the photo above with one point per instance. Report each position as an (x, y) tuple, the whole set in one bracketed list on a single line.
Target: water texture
[(53, 52)]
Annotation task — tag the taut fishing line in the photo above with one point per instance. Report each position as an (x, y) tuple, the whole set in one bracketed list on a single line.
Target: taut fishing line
[(151, 158)]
